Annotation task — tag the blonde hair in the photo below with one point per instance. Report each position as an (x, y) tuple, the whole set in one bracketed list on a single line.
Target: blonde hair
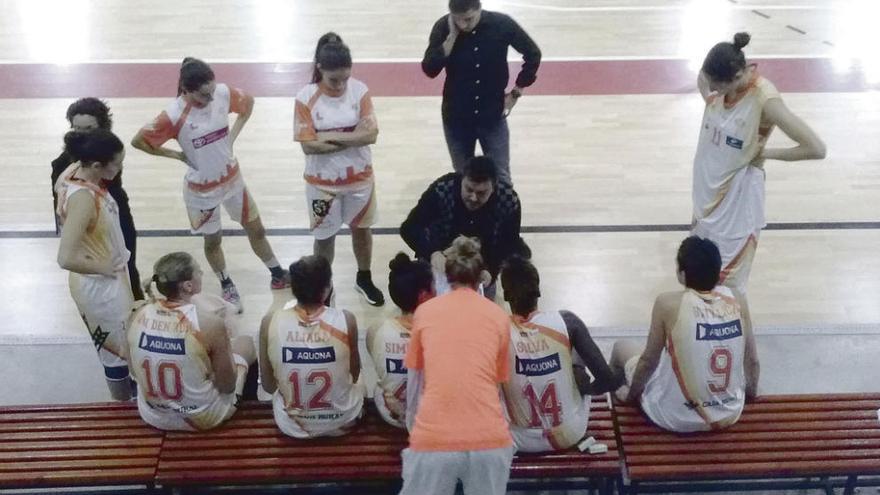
[(168, 272), (464, 263)]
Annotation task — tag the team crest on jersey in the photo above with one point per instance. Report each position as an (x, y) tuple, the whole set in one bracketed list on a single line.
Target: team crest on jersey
[(306, 355), (395, 366), (734, 142), (538, 367), (320, 207), (719, 331), (162, 345)]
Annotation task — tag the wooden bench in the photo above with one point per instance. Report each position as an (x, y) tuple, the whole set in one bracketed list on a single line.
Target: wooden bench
[(781, 441), (84, 445), (250, 450)]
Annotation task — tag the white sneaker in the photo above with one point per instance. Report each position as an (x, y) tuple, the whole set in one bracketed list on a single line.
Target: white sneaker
[(230, 295)]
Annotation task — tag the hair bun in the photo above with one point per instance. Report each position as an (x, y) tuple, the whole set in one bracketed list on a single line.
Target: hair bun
[(740, 40), (399, 262)]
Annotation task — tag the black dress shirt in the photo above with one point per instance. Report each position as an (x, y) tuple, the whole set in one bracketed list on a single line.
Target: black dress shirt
[(441, 216), (476, 68)]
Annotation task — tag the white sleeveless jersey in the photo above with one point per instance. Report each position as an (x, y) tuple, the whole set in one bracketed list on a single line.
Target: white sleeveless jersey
[(388, 346), (310, 359), (203, 135), (700, 382), (173, 369), (103, 239), (104, 302), (547, 411), (346, 169), (728, 193)]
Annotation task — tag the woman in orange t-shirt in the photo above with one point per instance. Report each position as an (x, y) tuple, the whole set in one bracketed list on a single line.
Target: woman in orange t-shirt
[(457, 358)]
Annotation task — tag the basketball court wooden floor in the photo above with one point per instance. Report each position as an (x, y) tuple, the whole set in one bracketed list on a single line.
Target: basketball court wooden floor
[(602, 150)]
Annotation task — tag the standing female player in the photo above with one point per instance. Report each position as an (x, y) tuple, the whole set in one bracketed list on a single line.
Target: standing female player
[(190, 368), (86, 114), (742, 108), (199, 120), (92, 248), (335, 124)]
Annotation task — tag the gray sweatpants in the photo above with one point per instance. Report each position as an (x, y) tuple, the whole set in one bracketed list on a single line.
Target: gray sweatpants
[(482, 472)]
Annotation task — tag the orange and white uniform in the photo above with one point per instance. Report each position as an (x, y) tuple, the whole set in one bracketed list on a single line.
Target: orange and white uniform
[(310, 356), (728, 192), (699, 384), (547, 411), (387, 344), (103, 302), (339, 185), (213, 176), (174, 372)]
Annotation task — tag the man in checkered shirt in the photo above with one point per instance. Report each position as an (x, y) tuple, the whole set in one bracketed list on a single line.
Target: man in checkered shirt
[(473, 203)]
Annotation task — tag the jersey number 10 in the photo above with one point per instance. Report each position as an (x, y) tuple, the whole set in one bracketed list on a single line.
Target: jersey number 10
[(168, 378)]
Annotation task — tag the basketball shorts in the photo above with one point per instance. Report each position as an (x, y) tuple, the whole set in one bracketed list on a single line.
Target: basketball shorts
[(329, 210), (204, 218), (104, 303)]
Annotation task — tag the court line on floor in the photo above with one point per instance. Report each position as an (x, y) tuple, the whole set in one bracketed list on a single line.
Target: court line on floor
[(527, 229), (656, 8)]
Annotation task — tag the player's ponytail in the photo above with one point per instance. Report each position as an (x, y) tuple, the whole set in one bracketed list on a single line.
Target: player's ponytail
[(330, 54), (407, 280), (464, 263), (168, 272), (726, 59)]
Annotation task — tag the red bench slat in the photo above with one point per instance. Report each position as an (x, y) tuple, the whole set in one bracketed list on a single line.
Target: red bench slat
[(776, 437)]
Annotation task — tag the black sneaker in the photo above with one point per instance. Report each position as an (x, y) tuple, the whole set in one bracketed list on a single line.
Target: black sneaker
[(371, 293)]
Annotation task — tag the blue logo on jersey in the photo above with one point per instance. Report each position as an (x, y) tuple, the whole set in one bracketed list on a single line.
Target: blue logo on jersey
[(395, 366), (734, 142), (538, 367), (720, 331), (162, 345), (305, 355)]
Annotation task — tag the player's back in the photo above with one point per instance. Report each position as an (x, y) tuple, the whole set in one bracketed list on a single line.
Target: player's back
[(388, 345), (310, 357), (547, 411), (700, 381), (173, 368)]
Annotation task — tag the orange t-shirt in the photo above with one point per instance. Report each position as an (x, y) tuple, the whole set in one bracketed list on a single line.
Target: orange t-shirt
[(460, 342)]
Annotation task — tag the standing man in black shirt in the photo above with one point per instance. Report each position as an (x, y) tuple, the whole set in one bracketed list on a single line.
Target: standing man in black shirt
[(84, 115), (471, 44), (472, 203)]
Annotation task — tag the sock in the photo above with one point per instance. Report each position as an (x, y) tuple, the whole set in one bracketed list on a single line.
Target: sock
[(364, 275), (277, 271), (272, 263), (223, 275)]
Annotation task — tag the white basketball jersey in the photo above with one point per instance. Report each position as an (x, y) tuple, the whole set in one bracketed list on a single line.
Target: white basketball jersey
[(388, 350), (700, 382), (728, 193), (310, 358), (547, 411), (173, 369)]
